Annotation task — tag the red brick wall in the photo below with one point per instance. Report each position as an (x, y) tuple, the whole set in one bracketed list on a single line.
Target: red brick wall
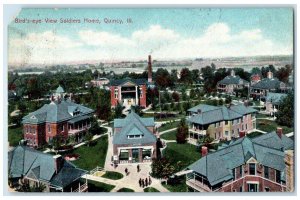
[(143, 99), (113, 100)]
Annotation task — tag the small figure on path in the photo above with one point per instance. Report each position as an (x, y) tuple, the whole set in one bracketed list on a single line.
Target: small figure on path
[(140, 182), (126, 171), (143, 183), (150, 181), (138, 168), (146, 182)]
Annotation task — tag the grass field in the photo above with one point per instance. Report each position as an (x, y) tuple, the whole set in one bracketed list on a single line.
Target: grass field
[(15, 134), (125, 190), (169, 136), (185, 154), (112, 175), (92, 156), (150, 189), (269, 126), (94, 186), (168, 126)]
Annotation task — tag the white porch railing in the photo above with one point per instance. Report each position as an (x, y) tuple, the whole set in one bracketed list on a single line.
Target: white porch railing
[(82, 188), (96, 169)]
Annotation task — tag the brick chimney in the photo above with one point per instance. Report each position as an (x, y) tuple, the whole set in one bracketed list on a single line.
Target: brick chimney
[(279, 132), (204, 151), (58, 161), (149, 69), (242, 134)]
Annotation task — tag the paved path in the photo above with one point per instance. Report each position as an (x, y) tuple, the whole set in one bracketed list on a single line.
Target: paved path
[(166, 131)]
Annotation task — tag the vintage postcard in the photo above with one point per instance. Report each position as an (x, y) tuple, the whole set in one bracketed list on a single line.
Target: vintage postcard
[(151, 100)]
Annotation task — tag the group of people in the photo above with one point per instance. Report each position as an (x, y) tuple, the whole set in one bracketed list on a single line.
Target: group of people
[(145, 182)]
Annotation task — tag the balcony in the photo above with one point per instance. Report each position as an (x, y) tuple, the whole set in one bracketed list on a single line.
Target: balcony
[(197, 131), (197, 185), (78, 130)]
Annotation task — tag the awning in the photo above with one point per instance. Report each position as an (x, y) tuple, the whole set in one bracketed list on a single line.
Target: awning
[(78, 119)]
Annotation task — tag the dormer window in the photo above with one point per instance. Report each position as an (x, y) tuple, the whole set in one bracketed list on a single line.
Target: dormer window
[(134, 136)]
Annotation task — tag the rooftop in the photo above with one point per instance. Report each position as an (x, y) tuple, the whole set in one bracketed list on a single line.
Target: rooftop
[(268, 83), (237, 80), (124, 81), (275, 98)]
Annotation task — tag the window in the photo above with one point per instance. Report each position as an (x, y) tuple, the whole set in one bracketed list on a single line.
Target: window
[(26, 129), (226, 122), (116, 93), (252, 188), (252, 168), (141, 93), (241, 170), (226, 133), (49, 128), (243, 127), (246, 127), (267, 189), (233, 174), (217, 124), (266, 172), (278, 176), (63, 128)]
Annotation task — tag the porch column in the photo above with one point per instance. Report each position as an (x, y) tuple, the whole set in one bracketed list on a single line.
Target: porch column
[(119, 96), (141, 155), (136, 95), (130, 155)]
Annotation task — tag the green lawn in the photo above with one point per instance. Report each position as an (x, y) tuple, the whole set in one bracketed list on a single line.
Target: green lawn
[(169, 136), (125, 190), (92, 156), (269, 126), (168, 126), (112, 175), (179, 187), (150, 189), (15, 134), (94, 186), (182, 154), (254, 134)]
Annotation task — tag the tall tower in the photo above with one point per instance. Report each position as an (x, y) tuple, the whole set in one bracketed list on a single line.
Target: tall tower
[(149, 69)]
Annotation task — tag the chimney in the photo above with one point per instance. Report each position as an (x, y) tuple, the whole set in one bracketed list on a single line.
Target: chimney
[(232, 73), (242, 134), (58, 161), (149, 69), (204, 151), (270, 74), (199, 111), (279, 132)]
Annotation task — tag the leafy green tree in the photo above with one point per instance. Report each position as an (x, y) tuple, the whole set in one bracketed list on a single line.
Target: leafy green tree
[(186, 76), (162, 168), (118, 111), (182, 132), (285, 114), (228, 99), (88, 137)]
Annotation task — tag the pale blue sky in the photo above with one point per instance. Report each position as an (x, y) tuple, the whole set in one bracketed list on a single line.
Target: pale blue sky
[(238, 28)]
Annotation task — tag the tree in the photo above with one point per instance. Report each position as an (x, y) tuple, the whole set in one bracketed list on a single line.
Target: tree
[(228, 99), (162, 168), (283, 73), (163, 78), (95, 128), (88, 137), (175, 96), (27, 188), (57, 141), (186, 76), (118, 111), (182, 132), (285, 114)]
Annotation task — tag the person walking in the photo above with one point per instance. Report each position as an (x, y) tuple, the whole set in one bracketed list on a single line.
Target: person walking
[(140, 182), (150, 181), (138, 168), (126, 171), (146, 182), (143, 183)]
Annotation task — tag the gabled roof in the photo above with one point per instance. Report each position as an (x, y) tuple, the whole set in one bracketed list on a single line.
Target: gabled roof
[(217, 166), (118, 82), (56, 111), (133, 125), (25, 161), (211, 114), (268, 83), (275, 97), (236, 80)]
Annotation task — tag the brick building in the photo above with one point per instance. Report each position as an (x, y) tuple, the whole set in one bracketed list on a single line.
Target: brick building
[(134, 139), (32, 167), (260, 89), (220, 122), (230, 83), (60, 117), (261, 164)]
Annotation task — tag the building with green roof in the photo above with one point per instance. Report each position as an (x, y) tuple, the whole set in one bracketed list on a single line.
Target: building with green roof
[(230, 83), (260, 164), (220, 122), (134, 139)]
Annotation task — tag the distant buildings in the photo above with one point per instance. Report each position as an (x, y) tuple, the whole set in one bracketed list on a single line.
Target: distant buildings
[(261, 164), (269, 84), (220, 122), (100, 82), (134, 139), (131, 92), (230, 83), (61, 117), (32, 167), (272, 102)]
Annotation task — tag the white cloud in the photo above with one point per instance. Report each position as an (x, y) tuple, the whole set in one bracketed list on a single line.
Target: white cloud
[(216, 41)]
